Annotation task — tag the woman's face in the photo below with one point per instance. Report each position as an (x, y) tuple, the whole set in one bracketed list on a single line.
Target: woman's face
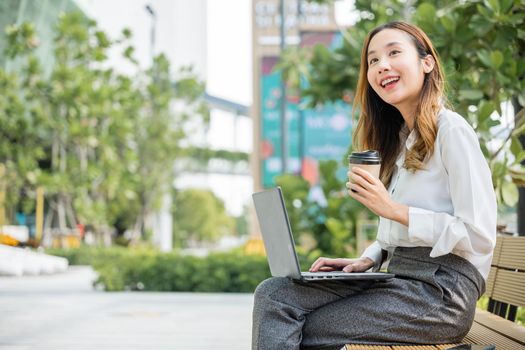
[(395, 71)]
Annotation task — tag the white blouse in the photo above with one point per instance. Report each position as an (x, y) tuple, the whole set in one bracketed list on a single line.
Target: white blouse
[(452, 204)]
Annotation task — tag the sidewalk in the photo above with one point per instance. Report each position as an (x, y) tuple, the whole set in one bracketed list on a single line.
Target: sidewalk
[(62, 311)]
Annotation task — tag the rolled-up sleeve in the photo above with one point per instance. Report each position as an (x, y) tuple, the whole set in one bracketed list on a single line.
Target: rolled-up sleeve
[(472, 227), (375, 253)]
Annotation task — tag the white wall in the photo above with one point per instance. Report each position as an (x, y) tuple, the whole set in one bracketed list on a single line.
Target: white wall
[(181, 29)]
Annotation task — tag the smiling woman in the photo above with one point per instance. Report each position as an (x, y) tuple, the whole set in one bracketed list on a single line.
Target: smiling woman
[(405, 78), (437, 217)]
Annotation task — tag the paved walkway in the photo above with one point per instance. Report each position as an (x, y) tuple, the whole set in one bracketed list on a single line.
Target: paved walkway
[(62, 311)]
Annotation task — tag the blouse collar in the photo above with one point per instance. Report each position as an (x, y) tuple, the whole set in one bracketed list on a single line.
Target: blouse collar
[(410, 138)]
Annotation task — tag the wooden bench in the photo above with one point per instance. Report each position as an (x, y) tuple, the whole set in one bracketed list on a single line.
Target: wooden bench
[(506, 291)]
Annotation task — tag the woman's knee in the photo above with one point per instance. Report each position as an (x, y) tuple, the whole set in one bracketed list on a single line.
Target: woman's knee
[(267, 287)]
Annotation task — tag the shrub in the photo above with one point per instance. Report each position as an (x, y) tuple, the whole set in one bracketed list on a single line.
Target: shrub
[(132, 269)]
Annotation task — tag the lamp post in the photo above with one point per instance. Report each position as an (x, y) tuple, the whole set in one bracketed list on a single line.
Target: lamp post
[(284, 124), (153, 16)]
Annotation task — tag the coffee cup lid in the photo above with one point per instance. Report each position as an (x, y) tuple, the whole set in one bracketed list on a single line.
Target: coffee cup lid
[(365, 157)]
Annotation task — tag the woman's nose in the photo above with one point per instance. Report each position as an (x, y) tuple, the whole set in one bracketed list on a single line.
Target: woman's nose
[(383, 66)]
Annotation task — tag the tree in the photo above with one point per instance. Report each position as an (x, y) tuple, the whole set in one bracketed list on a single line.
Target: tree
[(159, 132), (103, 144), (199, 216)]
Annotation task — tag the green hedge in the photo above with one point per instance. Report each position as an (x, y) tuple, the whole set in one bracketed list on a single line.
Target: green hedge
[(130, 269), (144, 269)]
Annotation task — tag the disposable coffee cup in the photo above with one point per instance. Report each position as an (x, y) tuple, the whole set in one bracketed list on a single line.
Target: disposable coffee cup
[(366, 160)]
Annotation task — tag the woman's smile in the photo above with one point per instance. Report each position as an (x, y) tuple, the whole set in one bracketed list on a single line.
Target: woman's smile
[(389, 82)]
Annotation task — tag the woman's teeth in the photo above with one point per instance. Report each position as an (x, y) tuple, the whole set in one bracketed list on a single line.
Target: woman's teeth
[(388, 81)]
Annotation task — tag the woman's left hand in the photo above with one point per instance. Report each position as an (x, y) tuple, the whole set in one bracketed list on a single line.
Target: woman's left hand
[(371, 192)]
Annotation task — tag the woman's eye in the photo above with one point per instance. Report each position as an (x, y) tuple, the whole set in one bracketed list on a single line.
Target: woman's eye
[(394, 52), (373, 60)]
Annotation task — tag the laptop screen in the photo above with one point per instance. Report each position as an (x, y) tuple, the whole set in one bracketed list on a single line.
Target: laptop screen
[(276, 233)]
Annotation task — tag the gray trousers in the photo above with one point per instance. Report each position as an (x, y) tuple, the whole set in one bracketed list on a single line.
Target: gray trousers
[(431, 300)]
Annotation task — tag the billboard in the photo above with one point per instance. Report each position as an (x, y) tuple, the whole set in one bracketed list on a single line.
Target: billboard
[(271, 143), (316, 134)]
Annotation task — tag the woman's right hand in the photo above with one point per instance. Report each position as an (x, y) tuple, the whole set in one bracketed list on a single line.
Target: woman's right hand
[(341, 264)]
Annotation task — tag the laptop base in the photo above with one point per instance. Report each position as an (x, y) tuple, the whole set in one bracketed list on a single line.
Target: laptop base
[(339, 275)]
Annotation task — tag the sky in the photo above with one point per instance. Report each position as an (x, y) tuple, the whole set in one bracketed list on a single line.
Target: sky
[(229, 50)]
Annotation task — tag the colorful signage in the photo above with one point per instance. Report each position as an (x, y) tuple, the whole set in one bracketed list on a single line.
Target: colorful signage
[(312, 134)]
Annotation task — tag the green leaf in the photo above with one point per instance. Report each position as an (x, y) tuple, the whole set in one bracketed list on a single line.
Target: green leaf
[(506, 5), (485, 109), (493, 5), (521, 99), (510, 193), (470, 94), (480, 25), (516, 19), (511, 68), (515, 146), (426, 12), (484, 57), (126, 32), (448, 23), (496, 59), (457, 50), (520, 157), (498, 169), (484, 11), (492, 123)]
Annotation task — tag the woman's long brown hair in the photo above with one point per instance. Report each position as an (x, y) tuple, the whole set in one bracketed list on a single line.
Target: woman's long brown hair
[(379, 123)]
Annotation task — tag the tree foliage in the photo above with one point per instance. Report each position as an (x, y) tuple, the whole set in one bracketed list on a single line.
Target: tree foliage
[(100, 142), (199, 216)]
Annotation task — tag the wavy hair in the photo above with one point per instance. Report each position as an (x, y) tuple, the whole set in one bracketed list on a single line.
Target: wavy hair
[(380, 123)]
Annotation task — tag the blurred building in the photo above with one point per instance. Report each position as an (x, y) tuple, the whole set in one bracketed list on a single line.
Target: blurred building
[(176, 28)]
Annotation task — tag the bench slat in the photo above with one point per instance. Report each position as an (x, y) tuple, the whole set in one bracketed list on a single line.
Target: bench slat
[(500, 325), (497, 250), (384, 347), (415, 347), (399, 347), (509, 287), (512, 253), (490, 281), (366, 347), (483, 334)]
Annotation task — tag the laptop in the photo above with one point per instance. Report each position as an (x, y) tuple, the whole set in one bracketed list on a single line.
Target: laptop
[(280, 247)]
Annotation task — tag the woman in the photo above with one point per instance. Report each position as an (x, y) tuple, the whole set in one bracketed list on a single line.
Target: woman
[(437, 211)]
